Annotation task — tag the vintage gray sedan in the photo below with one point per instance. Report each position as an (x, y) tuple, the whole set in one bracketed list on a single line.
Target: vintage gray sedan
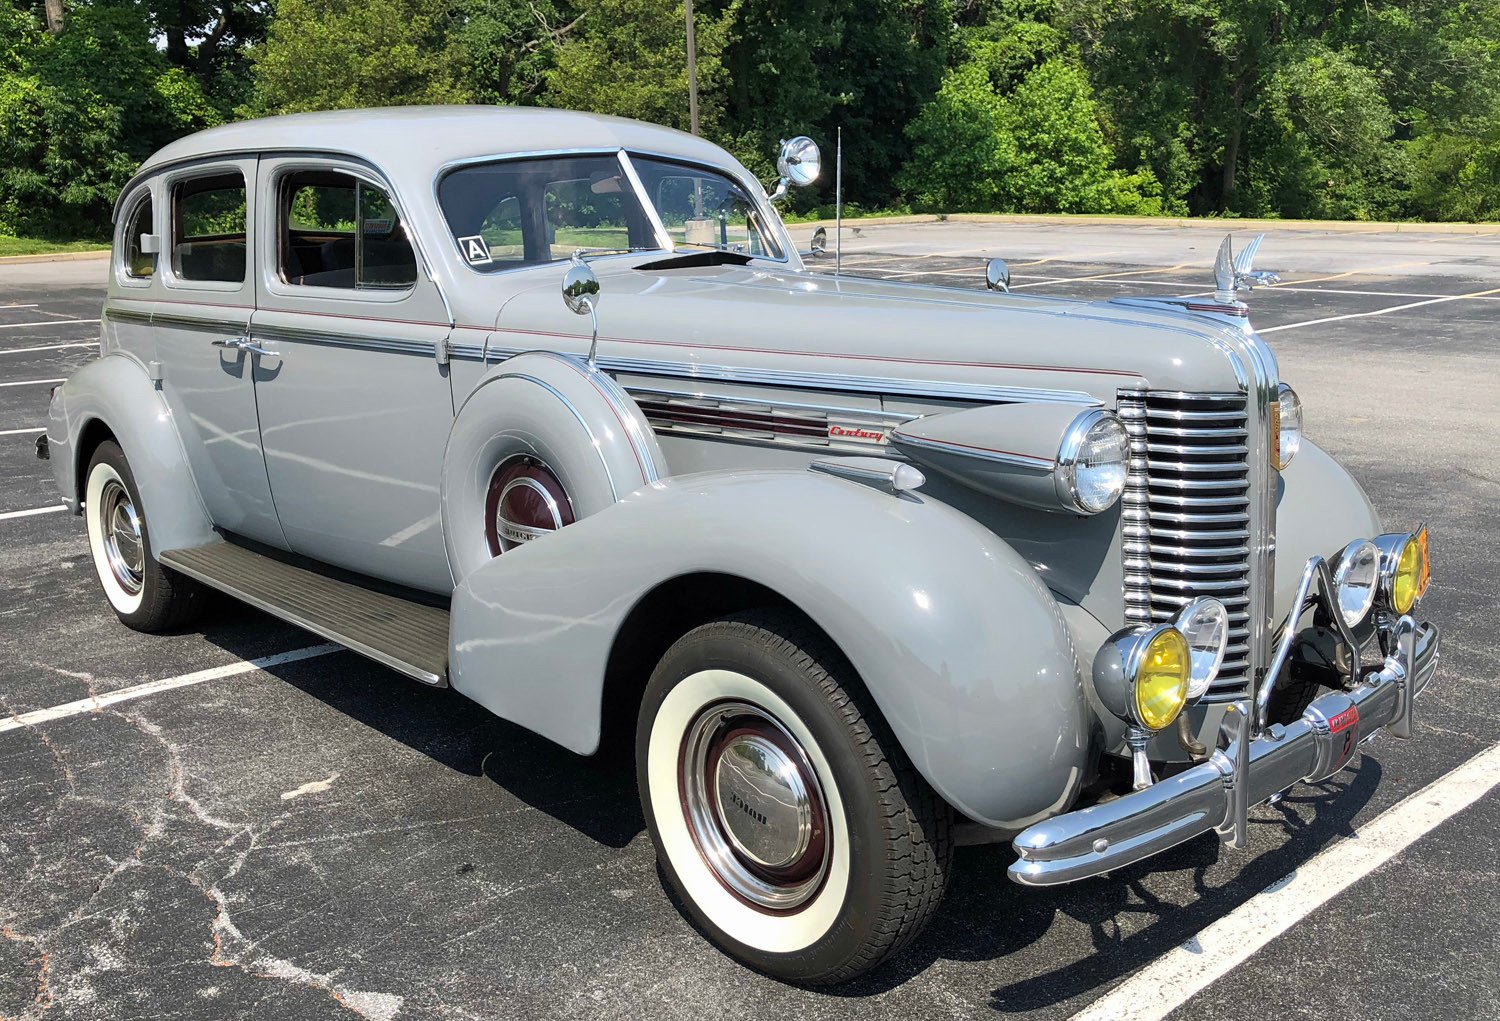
[(546, 407)]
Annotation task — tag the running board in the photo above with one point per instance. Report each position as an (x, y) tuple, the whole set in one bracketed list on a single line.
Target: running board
[(404, 635)]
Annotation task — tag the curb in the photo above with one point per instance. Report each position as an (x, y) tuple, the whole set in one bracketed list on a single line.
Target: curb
[(22, 260), (1210, 223)]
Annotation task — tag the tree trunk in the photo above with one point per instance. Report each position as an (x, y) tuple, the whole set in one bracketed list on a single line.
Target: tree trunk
[(55, 17), (1232, 147), (177, 48)]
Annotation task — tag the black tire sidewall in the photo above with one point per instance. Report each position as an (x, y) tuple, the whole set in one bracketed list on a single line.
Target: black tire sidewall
[(800, 689)]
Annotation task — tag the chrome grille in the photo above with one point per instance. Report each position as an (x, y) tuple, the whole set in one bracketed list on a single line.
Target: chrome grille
[(1186, 515)]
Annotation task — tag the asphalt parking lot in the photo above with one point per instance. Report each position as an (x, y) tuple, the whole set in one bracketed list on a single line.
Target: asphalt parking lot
[(316, 837)]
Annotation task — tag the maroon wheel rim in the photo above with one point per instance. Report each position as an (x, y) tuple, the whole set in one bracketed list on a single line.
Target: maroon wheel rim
[(770, 859), (525, 501)]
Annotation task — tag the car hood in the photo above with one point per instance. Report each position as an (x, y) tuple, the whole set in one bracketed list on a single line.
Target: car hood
[(759, 317)]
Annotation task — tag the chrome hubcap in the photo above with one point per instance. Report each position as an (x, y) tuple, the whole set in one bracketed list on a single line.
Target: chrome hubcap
[(124, 549), (754, 806)]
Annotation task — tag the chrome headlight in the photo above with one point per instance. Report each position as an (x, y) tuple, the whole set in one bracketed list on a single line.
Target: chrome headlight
[(1404, 569), (1356, 580), (1091, 462), (1288, 434), (1205, 624), (1141, 675)]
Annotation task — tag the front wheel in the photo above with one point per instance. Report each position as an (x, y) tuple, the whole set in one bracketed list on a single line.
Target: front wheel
[(787, 819)]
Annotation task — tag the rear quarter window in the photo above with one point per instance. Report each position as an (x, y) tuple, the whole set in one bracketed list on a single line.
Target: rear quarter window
[(135, 262)]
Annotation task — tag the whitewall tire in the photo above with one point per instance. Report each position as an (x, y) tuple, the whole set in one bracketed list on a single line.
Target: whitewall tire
[(787, 820), (143, 594)]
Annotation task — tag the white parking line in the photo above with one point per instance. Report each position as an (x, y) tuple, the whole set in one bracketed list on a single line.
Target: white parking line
[(48, 322), (1379, 311), (22, 432), (49, 347), (32, 382), (89, 705), (1172, 979), (32, 512)]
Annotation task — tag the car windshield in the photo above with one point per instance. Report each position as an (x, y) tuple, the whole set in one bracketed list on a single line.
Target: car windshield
[(703, 208), (526, 212)]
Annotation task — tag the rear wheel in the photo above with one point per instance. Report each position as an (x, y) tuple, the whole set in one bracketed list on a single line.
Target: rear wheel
[(143, 594), (787, 819)]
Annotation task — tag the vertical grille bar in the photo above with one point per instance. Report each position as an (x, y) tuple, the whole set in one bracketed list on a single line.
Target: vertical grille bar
[(1135, 520), (1186, 516)]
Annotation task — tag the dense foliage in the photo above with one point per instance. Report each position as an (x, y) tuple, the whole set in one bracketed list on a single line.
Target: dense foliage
[(1357, 109)]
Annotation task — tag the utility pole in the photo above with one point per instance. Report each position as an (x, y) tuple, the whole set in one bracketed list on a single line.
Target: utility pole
[(692, 55)]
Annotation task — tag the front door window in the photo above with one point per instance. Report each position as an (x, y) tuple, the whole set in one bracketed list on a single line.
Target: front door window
[(338, 231)]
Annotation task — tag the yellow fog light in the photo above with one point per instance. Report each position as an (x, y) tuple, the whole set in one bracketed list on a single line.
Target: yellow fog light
[(1141, 675), (1404, 568), (1161, 682)]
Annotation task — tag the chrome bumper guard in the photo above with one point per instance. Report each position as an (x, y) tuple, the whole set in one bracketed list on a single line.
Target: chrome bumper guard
[(1217, 794)]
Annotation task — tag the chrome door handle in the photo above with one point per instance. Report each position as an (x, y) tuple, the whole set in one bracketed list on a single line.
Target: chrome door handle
[(237, 342), (254, 348)]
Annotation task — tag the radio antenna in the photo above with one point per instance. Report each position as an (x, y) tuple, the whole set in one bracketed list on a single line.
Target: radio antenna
[(838, 201)]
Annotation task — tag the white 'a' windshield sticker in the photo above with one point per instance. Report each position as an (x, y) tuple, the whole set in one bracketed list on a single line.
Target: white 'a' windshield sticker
[(475, 250)]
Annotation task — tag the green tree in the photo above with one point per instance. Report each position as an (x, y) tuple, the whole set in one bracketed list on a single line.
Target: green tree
[(814, 66), (1016, 127), (79, 111), (629, 58), (1292, 107), (333, 55), (509, 45), (1322, 144)]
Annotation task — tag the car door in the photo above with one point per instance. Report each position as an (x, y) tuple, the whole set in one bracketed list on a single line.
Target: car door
[(355, 405), (200, 320)]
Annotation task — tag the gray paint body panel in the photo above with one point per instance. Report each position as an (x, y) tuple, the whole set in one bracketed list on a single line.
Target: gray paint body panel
[(927, 605), (116, 390)]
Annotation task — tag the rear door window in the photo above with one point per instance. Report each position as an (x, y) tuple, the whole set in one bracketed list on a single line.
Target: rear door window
[(208, 228)]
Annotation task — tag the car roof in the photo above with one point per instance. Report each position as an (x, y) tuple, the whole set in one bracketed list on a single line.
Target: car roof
[(407, 140)]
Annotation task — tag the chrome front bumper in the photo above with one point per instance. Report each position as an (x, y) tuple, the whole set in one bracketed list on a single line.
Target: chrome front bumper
[(1217, 794)]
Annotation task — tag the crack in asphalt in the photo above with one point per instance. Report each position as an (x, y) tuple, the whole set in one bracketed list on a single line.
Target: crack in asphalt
[(230, 946)]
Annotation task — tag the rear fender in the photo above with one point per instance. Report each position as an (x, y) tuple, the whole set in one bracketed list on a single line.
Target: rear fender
[(955, 636), (117, 393)]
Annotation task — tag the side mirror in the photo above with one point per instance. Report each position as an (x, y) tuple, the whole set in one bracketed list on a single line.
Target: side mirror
[(798, 164), (997, 275), (819, 244), (580, 292), (580, 287), (150, 244)]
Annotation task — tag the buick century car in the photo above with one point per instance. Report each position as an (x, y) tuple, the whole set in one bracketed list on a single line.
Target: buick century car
[(546, 407)]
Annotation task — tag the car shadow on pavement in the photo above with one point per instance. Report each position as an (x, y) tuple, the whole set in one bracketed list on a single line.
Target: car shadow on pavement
[(593, 795), (985, 918), (992, 919)]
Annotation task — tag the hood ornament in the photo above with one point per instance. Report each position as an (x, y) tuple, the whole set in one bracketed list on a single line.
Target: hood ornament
[(1233, 273)]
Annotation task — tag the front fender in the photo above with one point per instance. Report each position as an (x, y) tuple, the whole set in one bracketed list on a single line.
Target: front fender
[(1320, 510), (955, 636), (117, 392)]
